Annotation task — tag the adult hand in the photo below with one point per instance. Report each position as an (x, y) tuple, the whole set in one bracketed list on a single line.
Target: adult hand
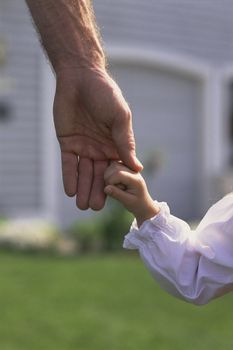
[(92, 119), (94, 125)]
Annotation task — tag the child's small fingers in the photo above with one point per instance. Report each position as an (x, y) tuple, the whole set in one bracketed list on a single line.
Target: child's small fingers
[(117, 193), (122, 187), (116, 167), (109, 172), (121, 177)]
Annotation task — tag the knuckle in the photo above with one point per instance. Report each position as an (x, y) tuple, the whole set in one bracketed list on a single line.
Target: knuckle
[(128, 114), (140, 180), (121, 173), (131, 143), (139, 177)]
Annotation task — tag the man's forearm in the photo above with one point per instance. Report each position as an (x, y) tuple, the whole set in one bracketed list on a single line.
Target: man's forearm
[(68, 33)]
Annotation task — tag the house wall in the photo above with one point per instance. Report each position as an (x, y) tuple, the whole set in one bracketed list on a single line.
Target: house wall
[(30, 175), (21, 130), (195, 28), (167, 113)]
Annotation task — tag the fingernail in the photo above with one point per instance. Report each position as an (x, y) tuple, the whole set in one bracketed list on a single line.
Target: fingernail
[(139, 164)]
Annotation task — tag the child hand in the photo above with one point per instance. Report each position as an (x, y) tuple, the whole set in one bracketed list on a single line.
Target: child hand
[(130, 189)]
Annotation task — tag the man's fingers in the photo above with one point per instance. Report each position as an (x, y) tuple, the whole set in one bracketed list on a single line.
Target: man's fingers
[(69, 173), (97, 196), (85, 178), (123, 137)]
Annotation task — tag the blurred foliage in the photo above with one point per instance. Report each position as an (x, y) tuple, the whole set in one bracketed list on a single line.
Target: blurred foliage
[(153, 161), (103, 232), (2, 220), (115, 225), (28, 235), (87, 234)]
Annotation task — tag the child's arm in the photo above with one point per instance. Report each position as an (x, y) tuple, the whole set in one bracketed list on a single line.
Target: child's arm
[(196, 266), (130, 189)]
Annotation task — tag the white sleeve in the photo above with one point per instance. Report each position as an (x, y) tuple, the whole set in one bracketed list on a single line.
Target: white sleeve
[(196, 266)]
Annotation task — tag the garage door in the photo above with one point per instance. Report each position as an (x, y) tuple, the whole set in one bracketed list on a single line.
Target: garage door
[(166, 110)]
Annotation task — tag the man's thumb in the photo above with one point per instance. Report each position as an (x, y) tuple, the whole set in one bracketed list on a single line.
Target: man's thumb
[(130, 159), (125, 144)]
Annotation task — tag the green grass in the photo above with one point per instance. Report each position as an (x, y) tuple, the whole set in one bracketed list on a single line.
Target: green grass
[(101, 302)]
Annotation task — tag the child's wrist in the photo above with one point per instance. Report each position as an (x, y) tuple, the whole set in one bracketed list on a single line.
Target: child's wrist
[(151, 210)]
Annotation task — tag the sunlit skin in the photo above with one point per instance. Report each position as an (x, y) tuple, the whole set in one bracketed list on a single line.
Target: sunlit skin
[(129, 188), (92, 119)]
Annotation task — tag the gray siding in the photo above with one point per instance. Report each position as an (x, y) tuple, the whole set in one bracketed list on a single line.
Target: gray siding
[(167, 121), (166, 106), (20, 136), (200, 28)]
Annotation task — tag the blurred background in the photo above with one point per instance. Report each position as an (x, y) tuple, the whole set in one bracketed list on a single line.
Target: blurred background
[(64, 280)]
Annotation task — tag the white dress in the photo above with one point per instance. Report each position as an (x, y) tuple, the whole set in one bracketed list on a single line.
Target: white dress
[(196, 266)]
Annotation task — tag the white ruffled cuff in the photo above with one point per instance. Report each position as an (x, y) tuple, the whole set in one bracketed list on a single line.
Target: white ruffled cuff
[(147, 230), (193, 265)]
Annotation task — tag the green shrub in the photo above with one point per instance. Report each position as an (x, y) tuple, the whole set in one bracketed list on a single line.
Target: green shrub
[(105, 231), (87, 234), (115, 225), (2, 220)]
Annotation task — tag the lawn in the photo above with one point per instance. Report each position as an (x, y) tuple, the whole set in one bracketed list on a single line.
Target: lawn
[(106, 302)]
